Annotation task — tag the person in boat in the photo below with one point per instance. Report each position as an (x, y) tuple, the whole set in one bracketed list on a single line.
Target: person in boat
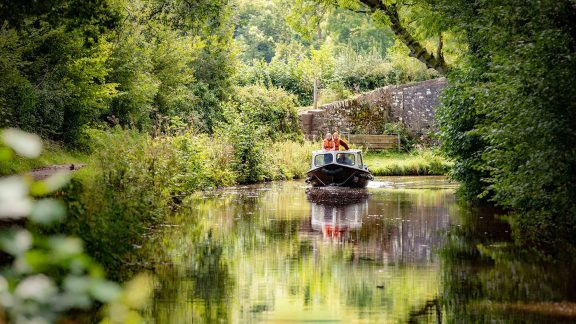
[(337, 142), (343, 159), (328, 143)]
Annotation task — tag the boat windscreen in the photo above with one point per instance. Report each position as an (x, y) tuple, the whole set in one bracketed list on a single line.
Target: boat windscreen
[(346, 158), (322, 159)]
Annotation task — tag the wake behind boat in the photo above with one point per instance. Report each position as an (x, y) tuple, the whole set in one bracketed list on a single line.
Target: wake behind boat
[(338, 168)]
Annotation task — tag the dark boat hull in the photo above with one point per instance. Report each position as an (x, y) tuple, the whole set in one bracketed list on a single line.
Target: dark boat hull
[(338, 175)]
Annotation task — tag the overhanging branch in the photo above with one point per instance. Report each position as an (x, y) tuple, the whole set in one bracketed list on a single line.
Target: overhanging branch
[(417, 50)]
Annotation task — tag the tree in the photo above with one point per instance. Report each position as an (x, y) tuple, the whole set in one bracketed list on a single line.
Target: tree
[(389, 12), (417, 50), (69, 64), (55, 53), (509, 117)]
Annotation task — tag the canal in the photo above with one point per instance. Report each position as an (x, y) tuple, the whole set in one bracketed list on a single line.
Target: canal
[(405, 252)]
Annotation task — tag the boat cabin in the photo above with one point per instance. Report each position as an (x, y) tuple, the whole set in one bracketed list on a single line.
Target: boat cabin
[(350, 158), (338, 168)]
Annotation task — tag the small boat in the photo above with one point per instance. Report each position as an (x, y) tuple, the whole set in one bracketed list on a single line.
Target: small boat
[(338, 168)]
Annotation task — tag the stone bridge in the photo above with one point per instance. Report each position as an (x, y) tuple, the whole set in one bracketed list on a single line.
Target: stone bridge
[(412, 104)]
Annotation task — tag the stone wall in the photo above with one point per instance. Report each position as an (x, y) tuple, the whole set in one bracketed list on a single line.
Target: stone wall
[(412, 104)]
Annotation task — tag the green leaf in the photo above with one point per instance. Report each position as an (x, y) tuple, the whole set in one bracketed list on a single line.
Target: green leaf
[(50, 184), (77, 284), (64, 247), (5, 154), (39, 288), (14, 201)]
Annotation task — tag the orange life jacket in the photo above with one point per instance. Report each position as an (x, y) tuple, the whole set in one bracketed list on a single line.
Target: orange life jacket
[(328, 144), (338, 143)]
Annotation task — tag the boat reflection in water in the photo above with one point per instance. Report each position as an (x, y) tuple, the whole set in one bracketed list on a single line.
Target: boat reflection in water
[(388, 229), (336, 211), (336, 221)]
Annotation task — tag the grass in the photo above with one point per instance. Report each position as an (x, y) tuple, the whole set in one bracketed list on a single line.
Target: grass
[(290, 160), (52, 154), (419, 162)]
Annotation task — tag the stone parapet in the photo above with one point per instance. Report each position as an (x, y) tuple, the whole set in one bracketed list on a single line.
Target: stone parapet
[(412, 104)]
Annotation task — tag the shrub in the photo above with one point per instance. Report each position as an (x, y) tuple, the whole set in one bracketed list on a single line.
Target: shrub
[(508, 117), (272, 109), (407, 139)]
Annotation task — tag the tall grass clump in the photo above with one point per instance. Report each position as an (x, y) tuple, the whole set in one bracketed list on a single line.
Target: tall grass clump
[(417, 162), (290, 160)]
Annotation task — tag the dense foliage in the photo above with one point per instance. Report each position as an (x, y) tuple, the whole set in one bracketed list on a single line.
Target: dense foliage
[(509, 114), (69, 64), (174, 97), (289, 45)]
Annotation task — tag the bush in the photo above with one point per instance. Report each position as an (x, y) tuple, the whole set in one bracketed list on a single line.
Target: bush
[(289, 160), (136, 178), (407, 139), (334, 92), (272, 109), (112, 204)]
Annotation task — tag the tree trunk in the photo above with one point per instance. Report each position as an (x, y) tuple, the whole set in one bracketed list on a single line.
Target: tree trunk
[(417, 50)]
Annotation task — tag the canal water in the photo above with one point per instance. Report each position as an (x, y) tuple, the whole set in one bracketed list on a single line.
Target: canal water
[(404, 251)]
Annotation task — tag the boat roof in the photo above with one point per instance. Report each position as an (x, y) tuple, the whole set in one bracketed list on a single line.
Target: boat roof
[(334, 151)]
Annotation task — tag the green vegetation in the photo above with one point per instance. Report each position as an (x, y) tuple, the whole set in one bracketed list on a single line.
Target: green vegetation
[(47, 277), (508, 118), (418, 162), (291, 44), (67, 65), (167, 98), (136, 178)]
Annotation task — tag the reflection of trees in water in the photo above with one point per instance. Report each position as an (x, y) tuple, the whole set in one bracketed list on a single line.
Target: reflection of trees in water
[(431, 311), (409, 228), (264, 251), (484, 275), (210, 276), (198, 289)]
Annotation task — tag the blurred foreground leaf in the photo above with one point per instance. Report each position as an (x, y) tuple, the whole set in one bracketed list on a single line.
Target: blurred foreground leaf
[(50, 184), (105, 291), (14, 201), (24, 144), (16, 242), (48, 211)]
